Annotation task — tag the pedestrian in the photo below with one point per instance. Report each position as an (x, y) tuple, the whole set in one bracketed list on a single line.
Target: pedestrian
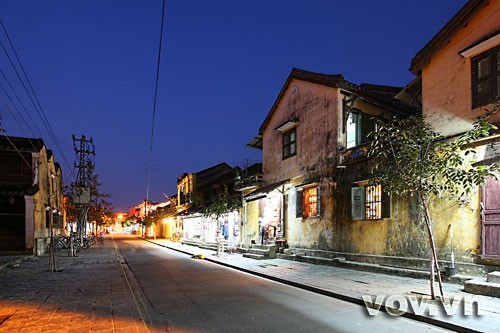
[(262, 235)]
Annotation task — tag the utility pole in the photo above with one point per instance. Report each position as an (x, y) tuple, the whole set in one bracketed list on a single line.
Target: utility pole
[(85, 152)]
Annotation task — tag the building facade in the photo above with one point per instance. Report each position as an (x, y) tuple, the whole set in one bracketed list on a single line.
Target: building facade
[(460, 73), (31, 195)]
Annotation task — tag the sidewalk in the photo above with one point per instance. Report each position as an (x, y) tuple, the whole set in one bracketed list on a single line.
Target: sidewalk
[(351, 285), (89, 293)]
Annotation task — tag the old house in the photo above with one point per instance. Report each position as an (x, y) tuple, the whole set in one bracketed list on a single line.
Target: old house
[(460, 73), (312, 155), (208, 190), (248, 180), (31, 195)]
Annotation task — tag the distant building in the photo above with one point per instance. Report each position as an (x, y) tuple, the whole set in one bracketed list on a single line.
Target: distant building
[(196, 191)]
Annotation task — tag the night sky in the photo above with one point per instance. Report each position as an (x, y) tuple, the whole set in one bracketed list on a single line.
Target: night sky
[(92, 65)]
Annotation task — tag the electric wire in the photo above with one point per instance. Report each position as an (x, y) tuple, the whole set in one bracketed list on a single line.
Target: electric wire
[(21, 103), (154, 102), (17, 121), (38, 109), (31, 86)]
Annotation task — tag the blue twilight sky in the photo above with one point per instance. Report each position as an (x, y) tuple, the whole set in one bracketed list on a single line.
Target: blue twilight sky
[(92, 64)]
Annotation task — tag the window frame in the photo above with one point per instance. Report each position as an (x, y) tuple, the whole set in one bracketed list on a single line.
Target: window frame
[(308, 205), (362, 124), (288, 143), (369, 206), (491, 81)]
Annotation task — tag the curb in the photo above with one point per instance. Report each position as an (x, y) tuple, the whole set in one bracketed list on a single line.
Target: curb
[(346, 298)]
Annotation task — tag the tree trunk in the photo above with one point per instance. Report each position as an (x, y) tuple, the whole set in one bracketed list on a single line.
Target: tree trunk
[(434, 260), (52, 256), (431, 278)]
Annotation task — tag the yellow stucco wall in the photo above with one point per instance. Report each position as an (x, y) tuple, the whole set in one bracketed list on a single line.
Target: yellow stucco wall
[(447, 104), (250, 223)]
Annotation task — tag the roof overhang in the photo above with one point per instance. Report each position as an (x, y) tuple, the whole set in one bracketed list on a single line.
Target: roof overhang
[(263, 191)]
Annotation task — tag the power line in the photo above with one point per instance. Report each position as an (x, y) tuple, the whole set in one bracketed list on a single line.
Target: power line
[(155, 99), (38, 109)]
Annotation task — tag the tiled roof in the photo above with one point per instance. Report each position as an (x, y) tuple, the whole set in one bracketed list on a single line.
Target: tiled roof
[(443, 36), (13, 143), (382, 96)]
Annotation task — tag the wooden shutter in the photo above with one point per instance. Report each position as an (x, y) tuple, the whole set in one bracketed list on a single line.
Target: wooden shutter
[(358, 203), (299, 202), (386, 204)]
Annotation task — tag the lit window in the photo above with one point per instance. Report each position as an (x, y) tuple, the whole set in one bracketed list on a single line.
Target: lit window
[(311, 202), (289, 143), (369, 203), (486, 77), (308, 202), (359, 125), (373, 202)]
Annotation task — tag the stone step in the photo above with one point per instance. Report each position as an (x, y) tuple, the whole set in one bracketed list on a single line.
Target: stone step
[(308, 259), (493, 277), (258, 251), (389, 270), (262, 247), (310, 253), (254, 256), (482, 287)]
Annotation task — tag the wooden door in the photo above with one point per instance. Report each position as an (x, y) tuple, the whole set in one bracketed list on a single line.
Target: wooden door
[(491, 219)]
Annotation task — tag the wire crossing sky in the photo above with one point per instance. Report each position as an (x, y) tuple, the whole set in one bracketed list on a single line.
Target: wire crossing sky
[(155, 100), (90, 64)]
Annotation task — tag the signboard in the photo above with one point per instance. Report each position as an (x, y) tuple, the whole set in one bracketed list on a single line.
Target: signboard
[(81, 195)]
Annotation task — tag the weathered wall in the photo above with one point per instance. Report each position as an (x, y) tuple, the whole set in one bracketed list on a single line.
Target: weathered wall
[(447, 104), (315, 108), (315, 232), (404, 233)]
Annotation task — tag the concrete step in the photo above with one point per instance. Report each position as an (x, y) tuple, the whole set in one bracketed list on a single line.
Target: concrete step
[(389, 270), (258, 251), (308, 259), (462, 268), (493, 277), (482, 287), (310, 253), (254, 256), (262, 247)]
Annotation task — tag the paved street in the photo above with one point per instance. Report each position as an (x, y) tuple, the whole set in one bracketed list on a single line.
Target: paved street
[(97, 292), (198, 295)]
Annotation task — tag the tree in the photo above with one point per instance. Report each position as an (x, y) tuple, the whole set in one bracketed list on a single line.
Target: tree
[(99, 208), (219, 203), (410, 158)]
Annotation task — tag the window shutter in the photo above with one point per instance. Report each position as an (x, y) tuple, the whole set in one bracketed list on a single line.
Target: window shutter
[(481, 79), (496, 75), (298, 203), (386, 204), (319, 201), (358, 203), (367, 125), (47, 219)]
